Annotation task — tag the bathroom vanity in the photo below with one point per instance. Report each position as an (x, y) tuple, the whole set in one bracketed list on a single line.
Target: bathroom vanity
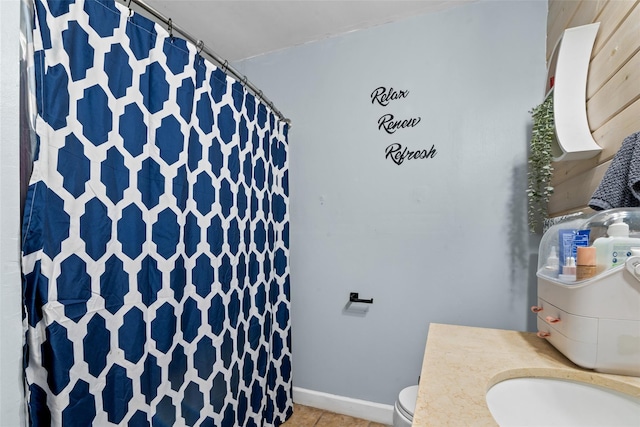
[(461, 363)]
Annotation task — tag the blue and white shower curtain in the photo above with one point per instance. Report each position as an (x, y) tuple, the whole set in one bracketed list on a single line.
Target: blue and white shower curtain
[(155, 234)]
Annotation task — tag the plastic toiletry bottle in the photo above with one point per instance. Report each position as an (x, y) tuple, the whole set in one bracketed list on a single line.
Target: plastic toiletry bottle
[(553, 263), (613, 250), (585, 262), (568, 270)]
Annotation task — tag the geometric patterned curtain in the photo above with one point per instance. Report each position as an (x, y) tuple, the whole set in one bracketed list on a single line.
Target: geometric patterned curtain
[(155, 233)]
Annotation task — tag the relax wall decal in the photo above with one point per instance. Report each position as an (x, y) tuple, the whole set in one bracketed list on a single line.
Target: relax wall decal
[(383, 96), (389, 124)]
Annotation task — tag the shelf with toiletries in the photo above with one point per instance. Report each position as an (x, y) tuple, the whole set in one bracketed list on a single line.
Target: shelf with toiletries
[(588, 246), (567, 82), (589, 290)]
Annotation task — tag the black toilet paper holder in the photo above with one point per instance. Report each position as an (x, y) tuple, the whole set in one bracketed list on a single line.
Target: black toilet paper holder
[(355, 297)]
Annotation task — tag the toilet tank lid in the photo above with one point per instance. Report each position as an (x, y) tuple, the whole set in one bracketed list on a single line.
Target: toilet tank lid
[(407, 399)]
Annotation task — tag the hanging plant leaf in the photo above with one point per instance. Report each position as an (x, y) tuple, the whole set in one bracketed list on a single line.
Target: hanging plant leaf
[(540, 157)]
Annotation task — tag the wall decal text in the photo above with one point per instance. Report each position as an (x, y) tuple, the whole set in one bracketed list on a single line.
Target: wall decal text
[(390, 124), (399, 154), (384, 96)]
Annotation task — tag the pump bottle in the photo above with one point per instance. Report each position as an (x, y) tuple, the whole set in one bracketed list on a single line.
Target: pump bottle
[(613, 250)]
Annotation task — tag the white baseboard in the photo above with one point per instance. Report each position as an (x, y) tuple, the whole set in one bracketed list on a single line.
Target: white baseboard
[(371, 411)]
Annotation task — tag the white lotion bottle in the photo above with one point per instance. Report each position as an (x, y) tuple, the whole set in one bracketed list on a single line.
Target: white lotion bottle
[(614, 250), (553, 263)]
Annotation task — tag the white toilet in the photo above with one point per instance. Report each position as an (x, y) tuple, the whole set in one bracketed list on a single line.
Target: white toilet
[(405, 407)]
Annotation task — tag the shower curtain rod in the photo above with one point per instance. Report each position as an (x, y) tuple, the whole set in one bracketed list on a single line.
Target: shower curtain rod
[(223, 63)]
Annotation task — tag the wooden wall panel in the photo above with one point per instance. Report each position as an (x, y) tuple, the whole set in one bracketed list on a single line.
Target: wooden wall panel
[(621, 90), (611, 134), (616, 52), (586, 13), (558, 18), (612, 13), (613, 91), (577, 191)]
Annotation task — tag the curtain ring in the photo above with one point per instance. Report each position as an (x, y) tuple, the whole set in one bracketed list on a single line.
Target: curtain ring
[(170, 22), (225, 66), (200, 46), (244, 81), (130, 11)]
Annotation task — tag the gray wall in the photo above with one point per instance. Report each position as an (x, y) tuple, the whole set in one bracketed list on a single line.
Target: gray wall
[(10, 293), (442, 239)]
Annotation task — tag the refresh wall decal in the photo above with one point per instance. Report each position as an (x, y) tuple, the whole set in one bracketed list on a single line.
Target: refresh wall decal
[(390, 124)]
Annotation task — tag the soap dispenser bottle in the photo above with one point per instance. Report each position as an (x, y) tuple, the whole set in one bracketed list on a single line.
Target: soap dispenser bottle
[(613, 250)]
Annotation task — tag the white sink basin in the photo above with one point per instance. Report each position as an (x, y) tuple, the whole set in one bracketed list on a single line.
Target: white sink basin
[(554, 402)]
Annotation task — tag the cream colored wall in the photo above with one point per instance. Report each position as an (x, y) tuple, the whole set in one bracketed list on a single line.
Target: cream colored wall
[(613, 90)]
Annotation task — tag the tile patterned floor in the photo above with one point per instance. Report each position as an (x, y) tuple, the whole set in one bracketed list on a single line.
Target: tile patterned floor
[(306, 416)]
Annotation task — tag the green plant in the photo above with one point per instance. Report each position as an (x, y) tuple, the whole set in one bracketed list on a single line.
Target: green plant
[(540, 157)]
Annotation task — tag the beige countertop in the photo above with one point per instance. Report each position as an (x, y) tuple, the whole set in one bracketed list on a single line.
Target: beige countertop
[(461, 363)]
